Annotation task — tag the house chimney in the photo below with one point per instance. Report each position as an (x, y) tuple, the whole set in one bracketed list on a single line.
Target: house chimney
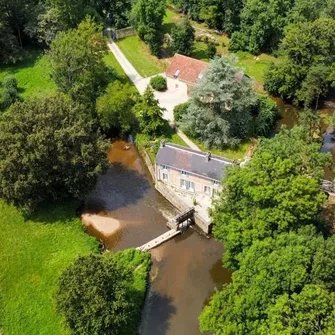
[(163, 143), (208, 156)]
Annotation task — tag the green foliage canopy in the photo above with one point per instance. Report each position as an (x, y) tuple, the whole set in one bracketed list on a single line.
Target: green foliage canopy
[(277, 191), (275, 277), (115, 109), (158, 83), (147, 16), (222, 106), (149, 114), (77, 65), (99, 294), (182, 36), (49, 150), (307, 69)]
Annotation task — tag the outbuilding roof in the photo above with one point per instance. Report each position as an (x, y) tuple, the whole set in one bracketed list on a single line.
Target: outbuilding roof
[(186, 69), (192, 161)]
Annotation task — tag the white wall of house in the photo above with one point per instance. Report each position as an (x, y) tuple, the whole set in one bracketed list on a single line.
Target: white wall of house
[(186, 181)]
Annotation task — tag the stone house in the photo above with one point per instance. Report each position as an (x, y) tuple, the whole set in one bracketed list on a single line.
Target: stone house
[(188, 170)]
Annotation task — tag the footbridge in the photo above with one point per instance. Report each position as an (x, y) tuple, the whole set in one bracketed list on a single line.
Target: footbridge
[(177, 226)]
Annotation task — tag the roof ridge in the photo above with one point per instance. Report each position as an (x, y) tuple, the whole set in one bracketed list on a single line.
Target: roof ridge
[(200, 153)]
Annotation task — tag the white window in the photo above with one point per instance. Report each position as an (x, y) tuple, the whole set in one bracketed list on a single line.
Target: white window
[(184, 173), (213, 192), (165, 177), (187, 185), (215, 182), (207, 190)]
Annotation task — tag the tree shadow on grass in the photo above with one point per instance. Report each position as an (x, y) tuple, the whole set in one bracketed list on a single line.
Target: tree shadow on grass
[(156, 314), (118, 187)]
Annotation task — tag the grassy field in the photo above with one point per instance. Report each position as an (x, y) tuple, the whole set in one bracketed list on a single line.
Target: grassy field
[(32, 256), (139, 56), (32, 74), (116, 69)]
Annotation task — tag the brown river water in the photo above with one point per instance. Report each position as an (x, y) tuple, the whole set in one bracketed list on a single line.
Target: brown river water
[(186, 270)]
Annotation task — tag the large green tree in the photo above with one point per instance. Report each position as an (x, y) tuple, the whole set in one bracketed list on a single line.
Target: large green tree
[(76, 59), (115, 109), (183, 37), (149, 114), (222, 105), (147, 16), (306, 71), (277, 191), (273, 282), (98, 294), (49, 150)]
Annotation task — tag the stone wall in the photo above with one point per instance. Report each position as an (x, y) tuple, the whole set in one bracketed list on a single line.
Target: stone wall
[(148, 163), (169, 195), (181, 205)]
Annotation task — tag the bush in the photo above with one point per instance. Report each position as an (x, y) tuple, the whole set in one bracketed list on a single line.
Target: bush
[(10, 92), (211, 50), (179, 111), (158, 83)]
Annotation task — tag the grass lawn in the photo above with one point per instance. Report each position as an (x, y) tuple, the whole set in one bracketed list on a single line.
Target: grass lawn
[(137, 52), (32, 74), (116, 69), (238, 153), (32, 256)]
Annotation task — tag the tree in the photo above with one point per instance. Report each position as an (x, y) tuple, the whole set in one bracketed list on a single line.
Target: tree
[(262, 25), (220, 106), (76, 59), (115, 109), (182, 36), (211, 50), (267, 112), (10, 92), (93, 296), (277, 191), (9, 48), (306, 72), (49, 150), (309, 312), (149, 114), (119, 11), (147, 16), (158, 83), (271, 271), (180, 110)]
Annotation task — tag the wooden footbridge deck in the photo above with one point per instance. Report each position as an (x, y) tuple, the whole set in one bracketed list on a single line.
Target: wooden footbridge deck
[(178, 225)]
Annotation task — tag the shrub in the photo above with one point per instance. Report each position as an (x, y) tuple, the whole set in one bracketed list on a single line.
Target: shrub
[(211, 50), (158, 83), (179, 111), (10, 92)]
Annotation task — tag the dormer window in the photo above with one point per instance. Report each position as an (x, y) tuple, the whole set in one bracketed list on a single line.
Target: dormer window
[(176, 74)]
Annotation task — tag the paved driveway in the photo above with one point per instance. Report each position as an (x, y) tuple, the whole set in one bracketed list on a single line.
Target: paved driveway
[(174, 95)]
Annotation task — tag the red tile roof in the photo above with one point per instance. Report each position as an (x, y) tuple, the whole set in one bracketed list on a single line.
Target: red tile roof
[(190, 68)]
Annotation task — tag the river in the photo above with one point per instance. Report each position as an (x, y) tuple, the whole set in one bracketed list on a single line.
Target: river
[(186, 270)]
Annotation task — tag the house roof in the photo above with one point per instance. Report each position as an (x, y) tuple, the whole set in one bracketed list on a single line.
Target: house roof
[(192, 161), (186, 68)]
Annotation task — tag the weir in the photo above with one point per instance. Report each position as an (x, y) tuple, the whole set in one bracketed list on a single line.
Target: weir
[(178, 225)]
